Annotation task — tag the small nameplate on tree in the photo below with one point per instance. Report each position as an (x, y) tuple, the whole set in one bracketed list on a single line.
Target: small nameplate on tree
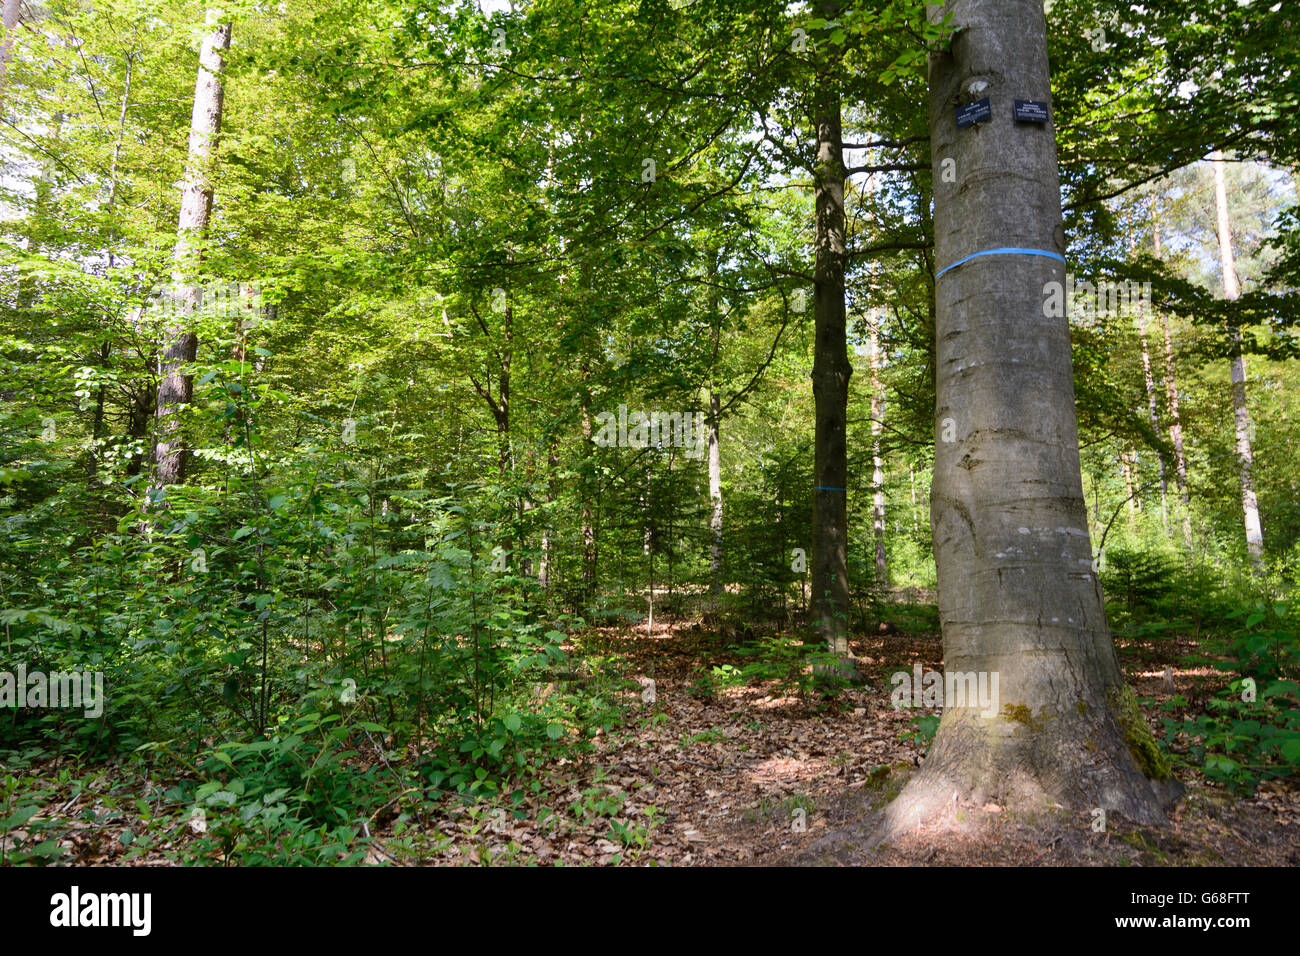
[(1030, 111), (978, 112)]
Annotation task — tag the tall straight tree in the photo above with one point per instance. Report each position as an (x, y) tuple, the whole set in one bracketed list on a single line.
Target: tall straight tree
[(1018, 594), (170, 454), (714, 436), (831, 367), (1240, 411), (877, 462), (8, 33), (1175, 415), (1153, 406)]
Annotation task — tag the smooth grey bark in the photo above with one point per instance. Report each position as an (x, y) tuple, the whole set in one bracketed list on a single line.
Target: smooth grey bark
[(1240, 411), (831, 367), (181, 347), (1018, 595)]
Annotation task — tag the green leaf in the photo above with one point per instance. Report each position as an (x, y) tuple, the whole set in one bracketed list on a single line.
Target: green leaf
[(18, 817)]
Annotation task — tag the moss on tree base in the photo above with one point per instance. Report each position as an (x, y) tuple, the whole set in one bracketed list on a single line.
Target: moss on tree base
[(1141, 742)]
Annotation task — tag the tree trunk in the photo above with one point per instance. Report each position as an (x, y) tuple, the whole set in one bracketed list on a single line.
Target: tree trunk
[(715, 424), (1241, 413), (587, 491), (1126, 467), (105, 352), (1175, 416), (877, 462), (1018, 597), (144, 402), (9, 20), (831, 367), (911, 481), (177, 388), (715, 493), (552, 469), (1153, 410)]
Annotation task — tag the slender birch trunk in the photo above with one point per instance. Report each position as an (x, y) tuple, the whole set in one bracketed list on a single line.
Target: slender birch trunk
[(177, 388), (715, 493), (714, 435), (1241, 413)]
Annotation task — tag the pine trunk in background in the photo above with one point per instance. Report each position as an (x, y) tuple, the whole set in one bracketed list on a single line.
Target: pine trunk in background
[(1018, 596), (831, 367), (170, 455), (1240, 412)]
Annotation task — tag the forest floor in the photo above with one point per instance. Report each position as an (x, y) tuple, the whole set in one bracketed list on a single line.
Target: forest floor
[(717, 779), (757, 775)]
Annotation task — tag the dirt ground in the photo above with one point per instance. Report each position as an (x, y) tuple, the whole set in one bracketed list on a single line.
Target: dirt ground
[(729, 774), (757, 776)]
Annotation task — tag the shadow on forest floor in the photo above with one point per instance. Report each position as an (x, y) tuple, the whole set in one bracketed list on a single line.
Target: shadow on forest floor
[(719, 775), (730, 770), (717, 771)]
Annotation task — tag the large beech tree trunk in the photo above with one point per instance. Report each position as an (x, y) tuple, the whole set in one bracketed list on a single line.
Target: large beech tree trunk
[(177, 388), (831, 367), (1017, 592)]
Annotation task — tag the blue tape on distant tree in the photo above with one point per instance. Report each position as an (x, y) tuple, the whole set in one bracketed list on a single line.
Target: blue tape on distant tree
[(1002, 252), (820, 488)]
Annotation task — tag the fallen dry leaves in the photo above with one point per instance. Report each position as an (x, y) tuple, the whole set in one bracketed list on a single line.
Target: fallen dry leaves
[(750, 775)]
